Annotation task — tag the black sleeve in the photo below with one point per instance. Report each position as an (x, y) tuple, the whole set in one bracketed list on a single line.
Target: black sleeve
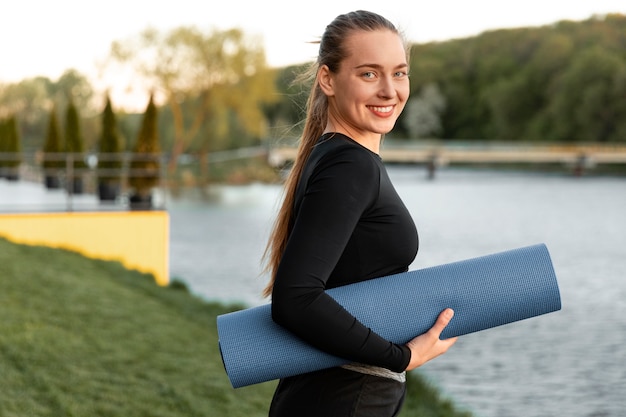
[(341, 188)]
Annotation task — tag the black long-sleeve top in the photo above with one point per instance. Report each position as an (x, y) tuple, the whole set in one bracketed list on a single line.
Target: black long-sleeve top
[(350, 225)]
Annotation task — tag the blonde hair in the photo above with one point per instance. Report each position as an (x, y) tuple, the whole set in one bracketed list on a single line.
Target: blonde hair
[(331, 53)]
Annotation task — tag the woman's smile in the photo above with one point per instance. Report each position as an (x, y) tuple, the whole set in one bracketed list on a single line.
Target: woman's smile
[(385, 111)]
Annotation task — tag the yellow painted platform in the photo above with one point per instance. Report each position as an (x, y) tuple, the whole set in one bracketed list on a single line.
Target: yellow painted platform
[(139, 240)]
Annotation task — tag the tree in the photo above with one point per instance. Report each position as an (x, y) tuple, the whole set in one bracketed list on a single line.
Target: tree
[(109, 158), (588, 103), (74, 148), (510, 105), (286, 114), (423, 112), (528, 83), (52, 156), (75, 87), (145, 165), (4, 158), (32, 98), (9, 149), (223, 73)]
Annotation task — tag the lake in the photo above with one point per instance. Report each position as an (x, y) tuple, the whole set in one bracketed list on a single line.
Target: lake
[(569, 363)]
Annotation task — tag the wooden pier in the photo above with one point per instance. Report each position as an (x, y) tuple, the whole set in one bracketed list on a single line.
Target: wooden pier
[(577, 157)]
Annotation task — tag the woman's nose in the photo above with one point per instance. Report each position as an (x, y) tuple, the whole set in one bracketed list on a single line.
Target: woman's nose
[(387, 88)]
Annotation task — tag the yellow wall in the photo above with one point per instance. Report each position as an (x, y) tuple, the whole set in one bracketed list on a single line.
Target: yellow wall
[(139, 240)]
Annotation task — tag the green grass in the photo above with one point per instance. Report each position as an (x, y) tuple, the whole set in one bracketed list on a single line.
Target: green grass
[(81, 337)]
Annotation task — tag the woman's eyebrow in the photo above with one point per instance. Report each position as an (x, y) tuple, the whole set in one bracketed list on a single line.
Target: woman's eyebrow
[(378, 66)]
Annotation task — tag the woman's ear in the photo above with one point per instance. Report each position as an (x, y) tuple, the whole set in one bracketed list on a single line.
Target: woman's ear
[(325, 80)]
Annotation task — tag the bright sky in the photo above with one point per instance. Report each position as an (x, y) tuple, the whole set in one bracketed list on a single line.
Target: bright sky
[(43, 37)]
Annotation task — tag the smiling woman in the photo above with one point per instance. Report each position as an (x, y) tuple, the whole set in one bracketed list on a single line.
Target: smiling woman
[(342, 222)]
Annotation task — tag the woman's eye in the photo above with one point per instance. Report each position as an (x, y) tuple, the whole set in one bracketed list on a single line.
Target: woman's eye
[(401, 74), (369, 74)]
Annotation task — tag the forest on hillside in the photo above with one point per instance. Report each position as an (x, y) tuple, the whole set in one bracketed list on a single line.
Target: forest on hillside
[(564, 82)]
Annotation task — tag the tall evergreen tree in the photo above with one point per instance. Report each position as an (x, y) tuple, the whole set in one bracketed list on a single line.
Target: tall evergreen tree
[(109, 159), (52, 156), (74, 146), (73, 134), (145, 165), (12, 148), (4, 142)]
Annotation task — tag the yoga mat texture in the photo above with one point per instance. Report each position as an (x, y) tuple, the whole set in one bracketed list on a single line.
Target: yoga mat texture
[(484, 292)]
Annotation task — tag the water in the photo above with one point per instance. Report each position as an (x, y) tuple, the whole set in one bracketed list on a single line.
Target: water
[(570, 363)]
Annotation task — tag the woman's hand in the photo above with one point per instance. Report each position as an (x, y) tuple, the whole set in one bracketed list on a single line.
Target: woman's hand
[(428, 346)]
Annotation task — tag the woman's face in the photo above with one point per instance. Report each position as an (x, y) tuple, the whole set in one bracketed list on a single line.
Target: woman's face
[(371, 87)]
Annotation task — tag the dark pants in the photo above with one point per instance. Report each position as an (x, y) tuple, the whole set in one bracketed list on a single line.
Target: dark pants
[(337, 392)]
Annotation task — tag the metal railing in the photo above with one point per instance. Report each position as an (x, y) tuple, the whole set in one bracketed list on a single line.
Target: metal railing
[(80, 175)]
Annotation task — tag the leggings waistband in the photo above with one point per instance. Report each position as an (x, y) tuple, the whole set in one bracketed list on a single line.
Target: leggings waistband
[(376, 371)]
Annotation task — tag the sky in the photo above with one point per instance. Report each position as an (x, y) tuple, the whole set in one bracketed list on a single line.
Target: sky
[(43, 37)]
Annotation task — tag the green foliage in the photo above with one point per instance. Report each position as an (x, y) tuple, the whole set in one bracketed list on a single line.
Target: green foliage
[(562, 82), (30, 99), (10, 143), (597, 112), (423, 399), (52, 149), (82, 337), (74, 88), (208, 80), (145, 164), (110, 146), (73, 136), (283, 115)]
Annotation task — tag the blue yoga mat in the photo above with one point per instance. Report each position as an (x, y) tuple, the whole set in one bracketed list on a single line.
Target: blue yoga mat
[(484, 292)]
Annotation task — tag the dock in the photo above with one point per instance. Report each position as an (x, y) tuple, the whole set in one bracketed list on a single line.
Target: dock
[(577, 157)]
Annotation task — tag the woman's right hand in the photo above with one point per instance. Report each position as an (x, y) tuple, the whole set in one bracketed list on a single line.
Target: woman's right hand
[(428, 346)]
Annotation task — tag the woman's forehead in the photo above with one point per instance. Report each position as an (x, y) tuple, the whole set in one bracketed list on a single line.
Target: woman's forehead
[(379, 47)]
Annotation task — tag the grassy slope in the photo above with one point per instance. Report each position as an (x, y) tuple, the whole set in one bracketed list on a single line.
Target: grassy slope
[(80, 337)]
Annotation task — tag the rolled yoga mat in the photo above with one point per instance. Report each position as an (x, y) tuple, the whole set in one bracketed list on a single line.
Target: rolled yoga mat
[(484, 292)]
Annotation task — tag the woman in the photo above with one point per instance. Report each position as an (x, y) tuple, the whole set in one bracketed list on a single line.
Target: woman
[(342, 222)]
